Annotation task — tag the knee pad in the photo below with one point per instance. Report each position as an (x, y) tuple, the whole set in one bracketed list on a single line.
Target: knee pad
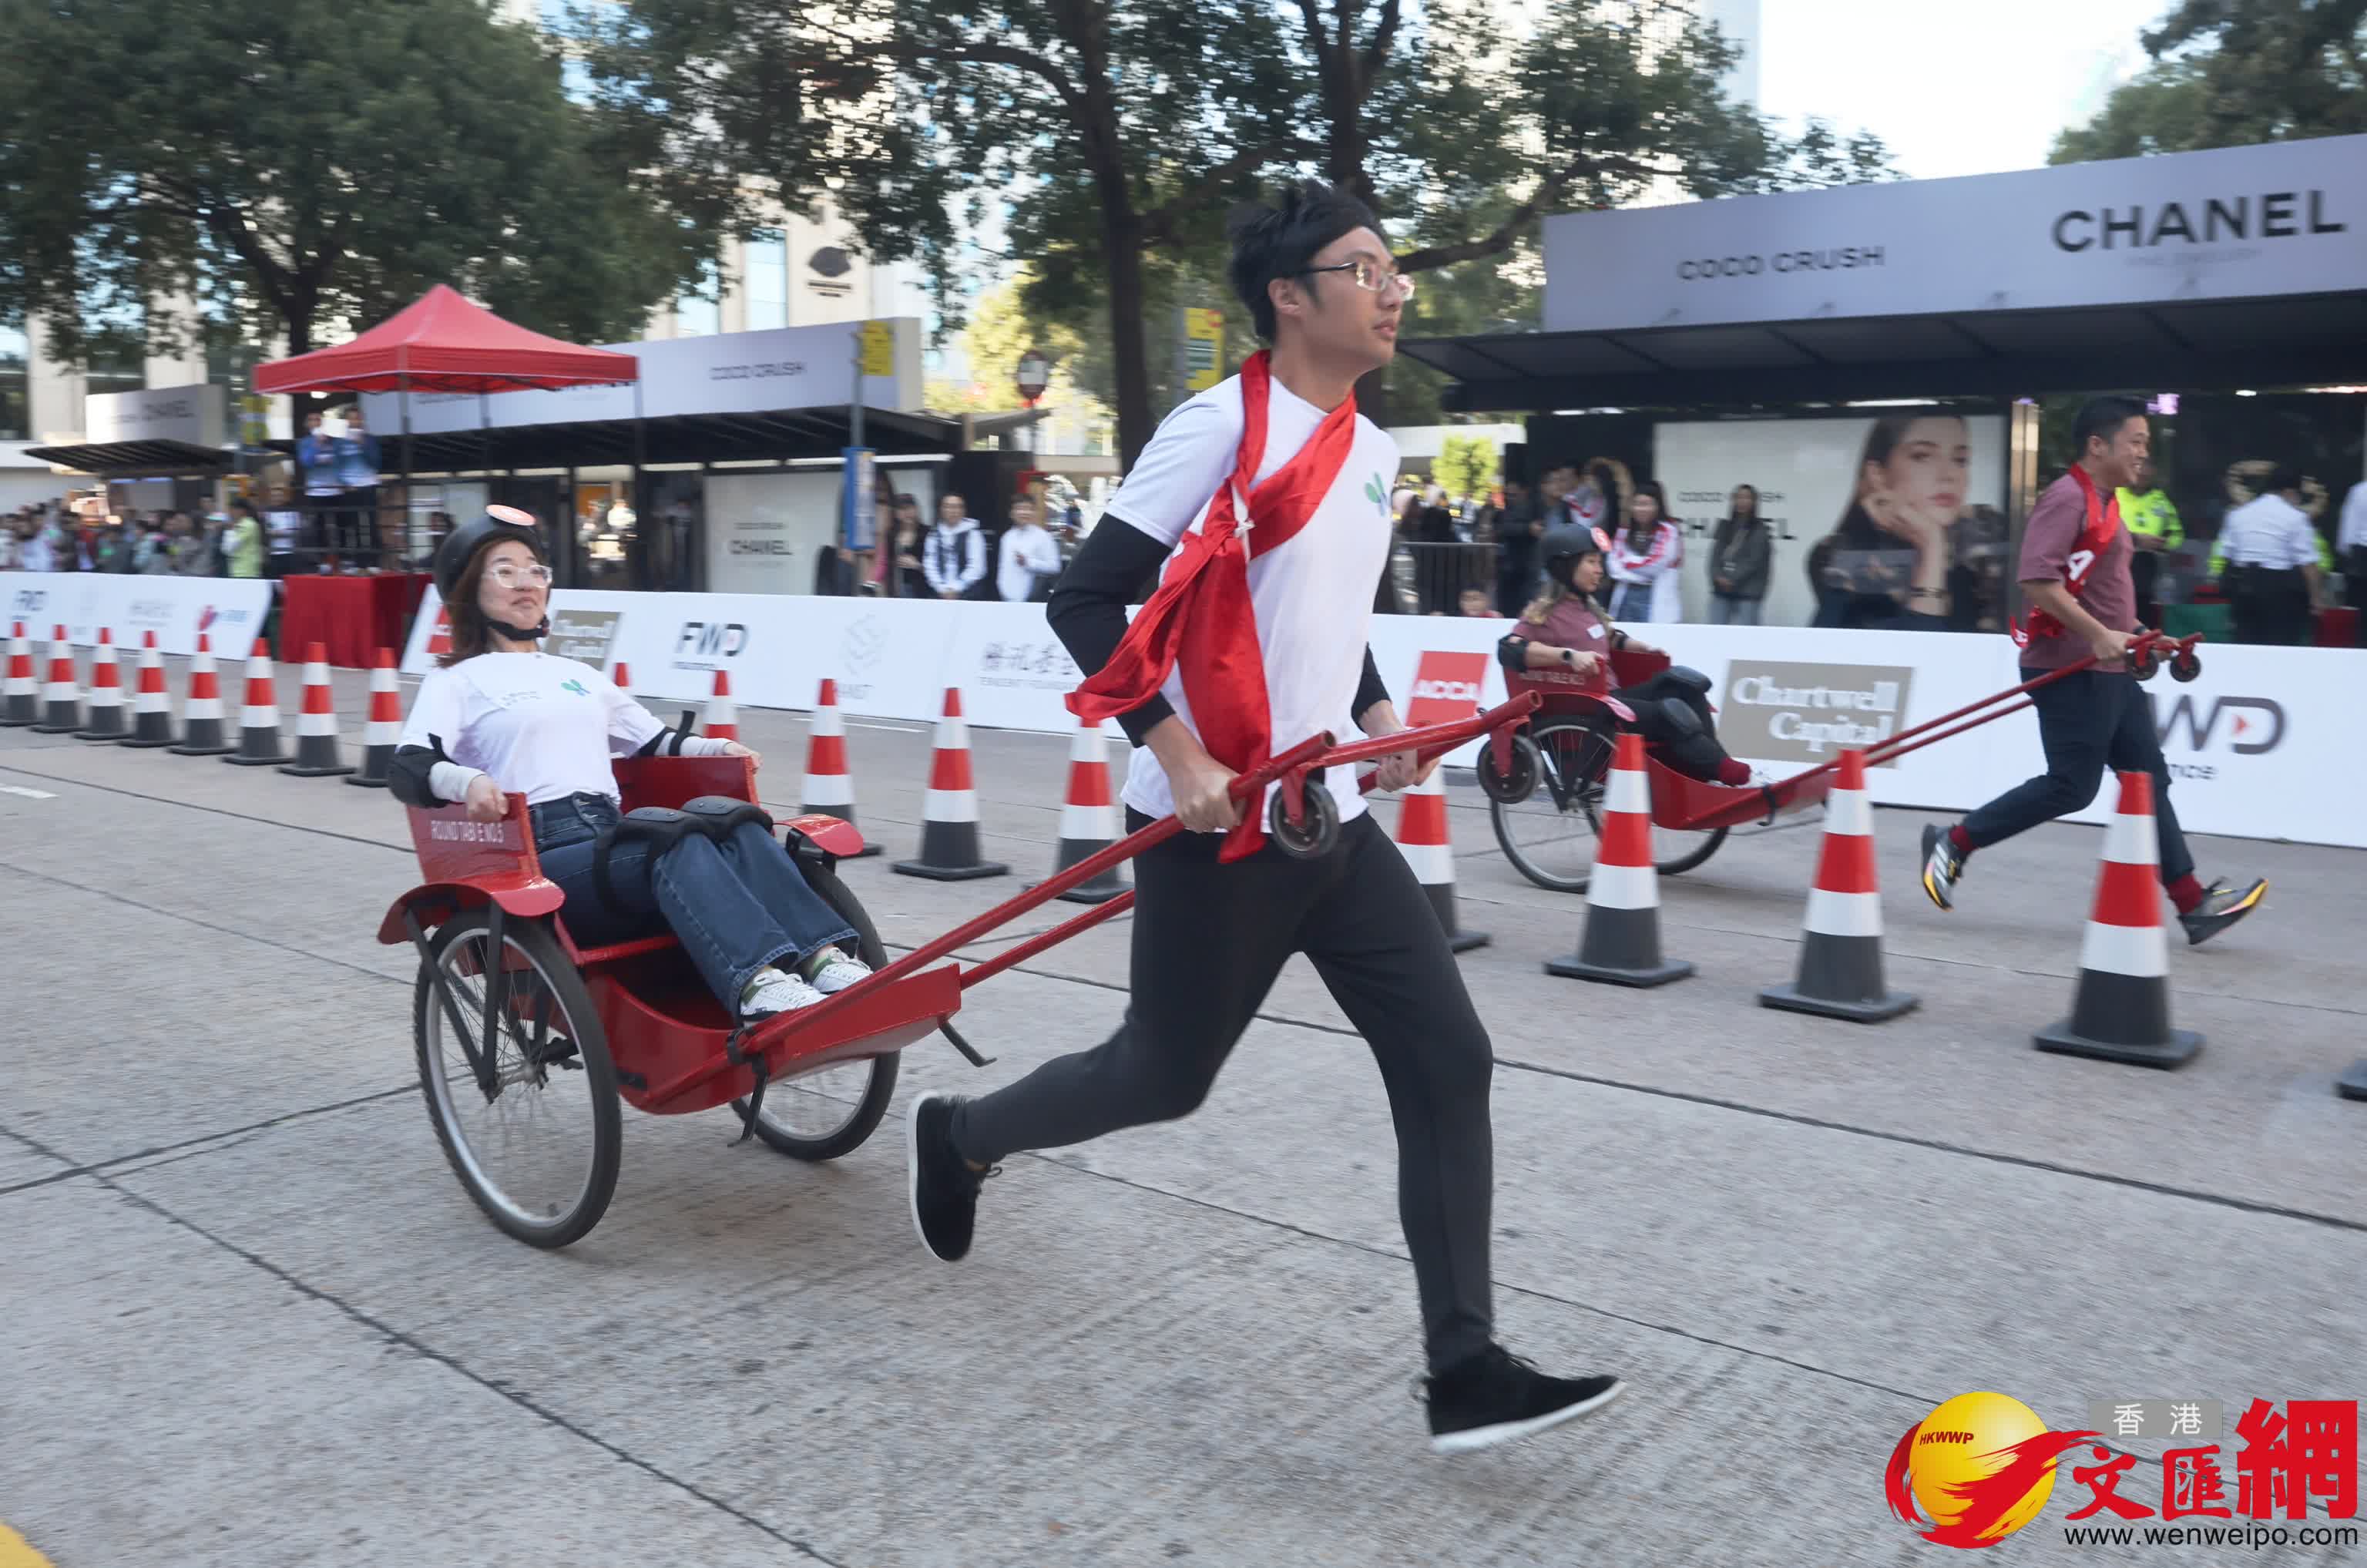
[(718, 816), (1689, 679), (658, 827), (1682, 722)]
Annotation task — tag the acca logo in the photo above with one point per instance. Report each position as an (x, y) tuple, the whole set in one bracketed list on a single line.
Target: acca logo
[(1446, 686)]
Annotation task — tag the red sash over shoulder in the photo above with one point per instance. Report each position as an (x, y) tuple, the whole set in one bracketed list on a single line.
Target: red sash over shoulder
[(1201, 619), (2103, 521)]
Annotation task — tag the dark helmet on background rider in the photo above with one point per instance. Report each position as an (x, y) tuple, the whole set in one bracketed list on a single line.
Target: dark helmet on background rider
[(468, 540), (1562, 546)]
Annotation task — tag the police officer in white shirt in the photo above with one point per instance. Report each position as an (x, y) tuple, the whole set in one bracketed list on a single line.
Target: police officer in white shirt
[(2272, 576), (1027, 556), (500, 715)]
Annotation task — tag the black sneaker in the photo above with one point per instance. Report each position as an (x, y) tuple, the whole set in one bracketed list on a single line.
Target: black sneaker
[(1942, 865), (2221, 908), (1494, 1396), (944, 1188)]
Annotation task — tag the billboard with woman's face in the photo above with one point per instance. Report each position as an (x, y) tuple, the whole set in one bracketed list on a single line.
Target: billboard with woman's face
[(1895, 520)]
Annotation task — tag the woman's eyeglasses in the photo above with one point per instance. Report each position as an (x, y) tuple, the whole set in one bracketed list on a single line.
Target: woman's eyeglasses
[(509, 576), (1371, 277)]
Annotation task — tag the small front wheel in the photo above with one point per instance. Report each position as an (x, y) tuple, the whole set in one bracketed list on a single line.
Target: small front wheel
[(1313, 837), (2185, 665), (525, 1106), (1510, 788), (2143, 663)]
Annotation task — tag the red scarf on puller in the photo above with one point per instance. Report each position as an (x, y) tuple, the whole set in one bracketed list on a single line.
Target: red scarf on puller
[(1202, 617), (2103, 520)]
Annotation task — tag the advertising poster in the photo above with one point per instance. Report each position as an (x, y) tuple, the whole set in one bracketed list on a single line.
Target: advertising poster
[(1893, 520)]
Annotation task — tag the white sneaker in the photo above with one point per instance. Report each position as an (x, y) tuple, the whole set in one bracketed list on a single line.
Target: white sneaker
[(838, 972), (771, 993)]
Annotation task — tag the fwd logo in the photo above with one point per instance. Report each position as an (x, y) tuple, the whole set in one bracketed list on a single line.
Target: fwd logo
[(2251, 724), (1446, 686), (710, 639)]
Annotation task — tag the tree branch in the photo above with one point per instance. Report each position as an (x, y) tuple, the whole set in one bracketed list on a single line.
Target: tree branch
[(1376, 54), (1159, 226), (1548, 193), (1016, 59), (1313, 14)]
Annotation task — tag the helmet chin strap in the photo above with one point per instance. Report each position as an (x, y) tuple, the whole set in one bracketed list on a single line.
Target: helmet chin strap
[(521, 634)]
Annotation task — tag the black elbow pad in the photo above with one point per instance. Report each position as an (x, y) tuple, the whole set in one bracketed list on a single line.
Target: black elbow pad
[(406, 774), (1512, 652)]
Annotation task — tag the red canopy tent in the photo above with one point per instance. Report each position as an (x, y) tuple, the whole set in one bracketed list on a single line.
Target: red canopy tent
[(442, 343)]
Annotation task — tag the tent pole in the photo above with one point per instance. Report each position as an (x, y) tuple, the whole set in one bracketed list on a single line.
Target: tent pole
[(403, 381), (636, 554)]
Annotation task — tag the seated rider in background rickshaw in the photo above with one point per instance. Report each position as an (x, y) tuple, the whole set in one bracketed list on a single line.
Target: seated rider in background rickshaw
[(500, 715), (1565, 638)]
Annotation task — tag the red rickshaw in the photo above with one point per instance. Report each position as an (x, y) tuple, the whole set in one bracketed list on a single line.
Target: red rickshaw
[(1544, 781), (576, 1031)]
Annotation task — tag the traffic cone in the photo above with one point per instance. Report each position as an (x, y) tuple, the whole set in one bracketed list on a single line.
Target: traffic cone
[(105, 693), (202, 714), (623, 679), (830, 789), (258, 722), (152, 709), (62, 695), (1840, 945), (1622, 944), (2121, 1010), (1088, 820), (385, 725), (20, 700), (949, 817), (722, 723), (316, 722), (1422, 839)]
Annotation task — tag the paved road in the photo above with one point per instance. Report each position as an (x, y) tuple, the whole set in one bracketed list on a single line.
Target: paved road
[(251, 1319)]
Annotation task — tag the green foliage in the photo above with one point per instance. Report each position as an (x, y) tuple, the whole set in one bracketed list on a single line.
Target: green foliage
[(280, 166), (2231, 73), (1466, 465)]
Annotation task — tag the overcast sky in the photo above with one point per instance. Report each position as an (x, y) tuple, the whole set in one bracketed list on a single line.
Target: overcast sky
[(1954, 89)]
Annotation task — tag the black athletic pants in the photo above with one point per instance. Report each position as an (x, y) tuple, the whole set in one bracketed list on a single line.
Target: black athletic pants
[(1208, 941), (1690, 749), (2086, 722)]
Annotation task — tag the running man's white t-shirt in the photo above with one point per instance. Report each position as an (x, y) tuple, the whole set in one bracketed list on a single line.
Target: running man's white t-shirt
[(1313, 595), (543, 726)]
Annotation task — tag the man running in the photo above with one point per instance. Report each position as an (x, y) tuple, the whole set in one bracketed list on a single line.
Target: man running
[(2075, 573), (1253, 643)]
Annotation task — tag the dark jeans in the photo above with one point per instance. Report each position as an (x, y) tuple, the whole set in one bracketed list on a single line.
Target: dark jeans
[(2087, 723), (2269, 608), (736, 906), (1208, 941), (2354, 594)]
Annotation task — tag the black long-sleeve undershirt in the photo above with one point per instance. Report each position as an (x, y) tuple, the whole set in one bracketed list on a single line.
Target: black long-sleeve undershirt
[(1116, 566)]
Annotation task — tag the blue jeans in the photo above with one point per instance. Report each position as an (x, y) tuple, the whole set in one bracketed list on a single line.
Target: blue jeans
[(736, 906)]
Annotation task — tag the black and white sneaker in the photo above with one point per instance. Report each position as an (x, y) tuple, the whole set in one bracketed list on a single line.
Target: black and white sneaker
[(1943, 867), (1494, 1396), (943, 1186)]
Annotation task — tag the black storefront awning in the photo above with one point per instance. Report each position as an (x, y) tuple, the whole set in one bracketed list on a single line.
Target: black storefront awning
[(777, 436), (2285, 341), (140, 460)]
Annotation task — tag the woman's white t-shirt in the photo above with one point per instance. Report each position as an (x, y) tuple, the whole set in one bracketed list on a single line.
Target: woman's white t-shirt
[(542, 726), (1312, 596)]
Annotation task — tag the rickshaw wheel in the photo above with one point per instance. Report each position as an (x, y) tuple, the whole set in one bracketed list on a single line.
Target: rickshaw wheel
[(1513, 787), (2142, 665), (554, 1083), (1313, 838), (2186, 665), (825, 1114)]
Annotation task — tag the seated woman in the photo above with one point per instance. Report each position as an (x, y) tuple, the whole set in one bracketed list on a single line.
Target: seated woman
[(500, 714), (1564, 633)]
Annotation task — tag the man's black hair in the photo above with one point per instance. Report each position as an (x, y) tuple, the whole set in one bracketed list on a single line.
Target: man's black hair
[(2286, 477), (2102, 416), (1278, 241)]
